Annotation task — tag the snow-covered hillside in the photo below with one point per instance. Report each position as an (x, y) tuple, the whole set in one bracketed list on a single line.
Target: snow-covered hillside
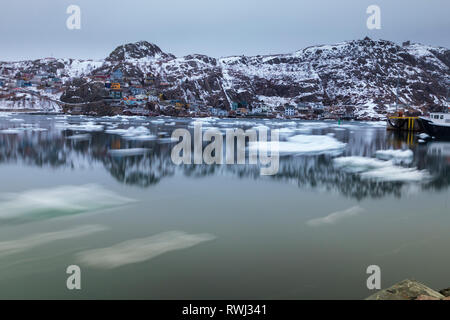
[(362, 73)]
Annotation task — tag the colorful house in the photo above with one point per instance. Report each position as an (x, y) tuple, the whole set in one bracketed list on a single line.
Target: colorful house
[(289, 110), (117, 76), (137, 91), (116, 94), (241, 104)]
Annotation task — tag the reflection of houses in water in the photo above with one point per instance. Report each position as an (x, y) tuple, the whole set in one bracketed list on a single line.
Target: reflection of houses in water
[(308, 172), (439, 149)]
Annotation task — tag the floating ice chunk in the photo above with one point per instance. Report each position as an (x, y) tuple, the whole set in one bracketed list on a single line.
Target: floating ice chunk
[(286, 131), (129, 152), (345, 126), (11, 131), (335, 217), (317, 124), (261, 127), (370, 168), (80, 137), (301, 144), (421, 141), (130, 133), (376, 124), (423, 135), (168, 140), (87, 126), (144, 137), (58, 201), (396, 173), (39, 239), (397, 156), (113, 130), (359, 164), (140, 250), (16, 120)]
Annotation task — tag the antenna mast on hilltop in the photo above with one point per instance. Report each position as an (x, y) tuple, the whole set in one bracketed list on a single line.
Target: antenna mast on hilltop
[(447, 83), (396, 91)]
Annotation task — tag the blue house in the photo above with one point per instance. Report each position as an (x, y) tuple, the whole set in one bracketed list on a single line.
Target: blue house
[(19, 83), (117, 76), (1, 83), (137, 91), (115, 94), (237, 105)]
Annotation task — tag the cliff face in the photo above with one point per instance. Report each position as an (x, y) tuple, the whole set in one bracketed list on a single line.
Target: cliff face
[(364, 73)]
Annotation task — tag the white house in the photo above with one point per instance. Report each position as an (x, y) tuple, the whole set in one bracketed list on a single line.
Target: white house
[(289, 110)]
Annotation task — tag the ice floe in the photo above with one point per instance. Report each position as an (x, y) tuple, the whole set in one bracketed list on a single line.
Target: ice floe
[(133, 133), (301, 144), (382, 170), (86, 126), (335, 217), (397, 156), (58, 201), (11, 131), (128, 152), (24, 128), (80, 137), (39, 239), (140, 250), (168, 140)]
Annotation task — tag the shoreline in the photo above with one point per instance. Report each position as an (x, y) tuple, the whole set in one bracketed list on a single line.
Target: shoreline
[(410, 289)]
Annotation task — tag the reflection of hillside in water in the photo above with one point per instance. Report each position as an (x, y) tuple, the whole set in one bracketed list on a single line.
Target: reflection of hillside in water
[(53, 149)]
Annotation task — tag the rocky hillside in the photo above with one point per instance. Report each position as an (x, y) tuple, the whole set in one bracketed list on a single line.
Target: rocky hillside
[(363, 73)]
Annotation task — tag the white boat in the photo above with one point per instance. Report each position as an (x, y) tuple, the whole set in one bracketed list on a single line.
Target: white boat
[(437, 125)]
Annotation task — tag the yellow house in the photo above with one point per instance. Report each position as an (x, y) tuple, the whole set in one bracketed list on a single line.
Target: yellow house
[(115, 85), (242, 110)]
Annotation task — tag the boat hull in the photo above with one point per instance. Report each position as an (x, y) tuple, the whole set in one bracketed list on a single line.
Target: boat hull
[(437, 131)]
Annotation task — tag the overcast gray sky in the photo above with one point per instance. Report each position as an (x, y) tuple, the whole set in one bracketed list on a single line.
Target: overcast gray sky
[(37, 28)]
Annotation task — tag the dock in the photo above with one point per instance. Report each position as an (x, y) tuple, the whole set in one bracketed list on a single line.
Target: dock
[(410, 124)]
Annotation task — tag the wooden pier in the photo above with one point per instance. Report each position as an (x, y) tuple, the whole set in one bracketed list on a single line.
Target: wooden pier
[(410, 124)]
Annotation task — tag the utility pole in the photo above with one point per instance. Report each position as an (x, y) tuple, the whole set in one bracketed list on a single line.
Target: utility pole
[(396, 99)]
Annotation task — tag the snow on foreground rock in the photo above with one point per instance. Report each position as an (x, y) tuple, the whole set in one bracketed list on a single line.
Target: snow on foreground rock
[(381, 170), (301, 144)]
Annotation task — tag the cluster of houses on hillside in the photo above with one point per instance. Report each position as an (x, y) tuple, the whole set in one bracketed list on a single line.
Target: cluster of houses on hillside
[(144, 95), (46, 82)]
